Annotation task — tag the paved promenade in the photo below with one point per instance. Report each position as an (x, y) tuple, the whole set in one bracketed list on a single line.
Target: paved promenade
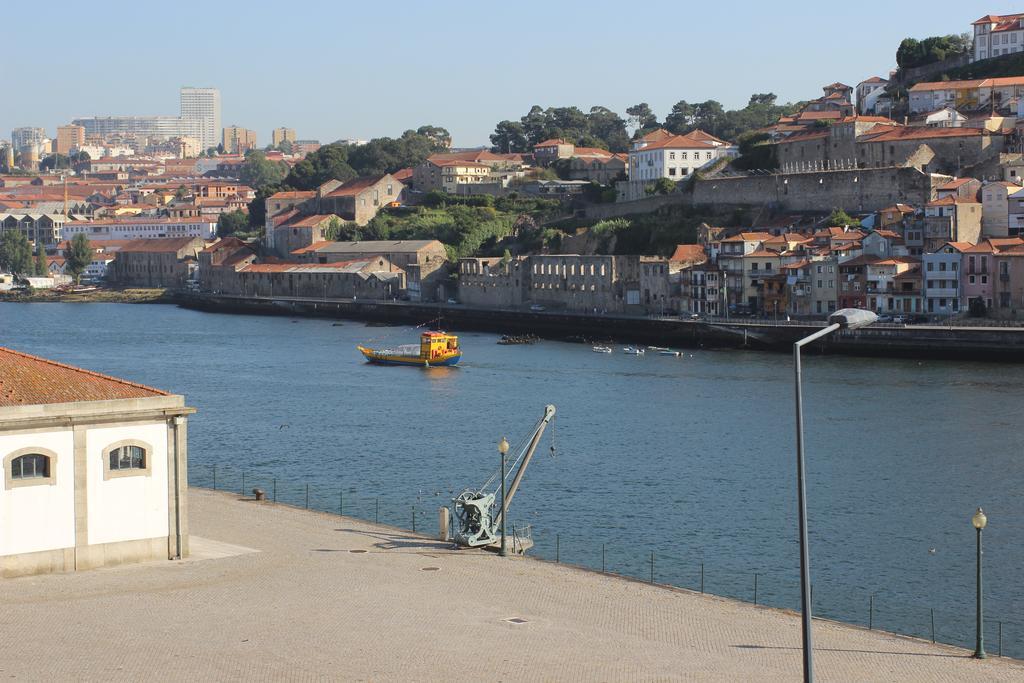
[(275, 593)]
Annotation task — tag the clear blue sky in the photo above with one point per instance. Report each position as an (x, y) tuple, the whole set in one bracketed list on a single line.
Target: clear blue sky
[(340, 69)]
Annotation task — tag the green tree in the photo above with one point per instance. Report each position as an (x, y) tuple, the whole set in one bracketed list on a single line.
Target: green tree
[(78, 255), (438, 135), (258, 171), (15, 253), (661, 186), (508, 137), (912, 52), (641, 117), (839, 218), (330, 162), (53, 162), (680, 119), (41, 268), (230, 222)]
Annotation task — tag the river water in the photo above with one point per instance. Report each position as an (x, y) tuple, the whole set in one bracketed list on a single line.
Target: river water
[(689, 458)]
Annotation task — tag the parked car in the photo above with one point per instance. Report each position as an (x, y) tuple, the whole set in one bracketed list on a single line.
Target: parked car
[(453, 301), (536, 307)]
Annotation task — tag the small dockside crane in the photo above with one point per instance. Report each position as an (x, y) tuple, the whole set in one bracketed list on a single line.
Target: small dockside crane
[(478, 513)]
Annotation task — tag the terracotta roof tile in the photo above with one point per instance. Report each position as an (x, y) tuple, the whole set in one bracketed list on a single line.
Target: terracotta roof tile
[(31, 380)]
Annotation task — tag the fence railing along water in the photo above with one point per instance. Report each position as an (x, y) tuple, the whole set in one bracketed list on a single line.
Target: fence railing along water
[(770, 587)]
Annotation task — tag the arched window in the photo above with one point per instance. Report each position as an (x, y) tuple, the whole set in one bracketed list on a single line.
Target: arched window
[(31, 466), (127, 458)]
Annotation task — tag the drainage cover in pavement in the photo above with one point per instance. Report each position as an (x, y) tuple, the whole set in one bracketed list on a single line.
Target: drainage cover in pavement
[(429, 569), (357, 551), (516, 620)]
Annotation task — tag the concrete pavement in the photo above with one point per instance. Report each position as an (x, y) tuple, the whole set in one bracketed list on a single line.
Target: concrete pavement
[(326, 597)]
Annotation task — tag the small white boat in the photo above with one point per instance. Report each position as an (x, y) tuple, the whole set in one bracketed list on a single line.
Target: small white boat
[(601, 349), (666, 352), (658, 348), (633, 351)]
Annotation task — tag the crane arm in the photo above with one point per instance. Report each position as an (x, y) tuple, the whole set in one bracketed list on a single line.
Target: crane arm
[(538, 432)]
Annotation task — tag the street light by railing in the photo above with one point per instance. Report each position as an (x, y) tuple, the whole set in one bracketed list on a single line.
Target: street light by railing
[(846, 318), (979, 520), (503, 449)]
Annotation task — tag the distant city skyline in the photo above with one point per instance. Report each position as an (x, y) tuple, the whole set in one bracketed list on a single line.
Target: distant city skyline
[(350, 74)]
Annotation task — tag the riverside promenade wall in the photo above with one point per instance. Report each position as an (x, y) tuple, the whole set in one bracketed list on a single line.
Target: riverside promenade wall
[(1004, 344)]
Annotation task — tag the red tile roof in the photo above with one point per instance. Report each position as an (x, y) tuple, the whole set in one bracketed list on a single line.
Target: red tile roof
[(355, 186), (551, 143), (31, 380), (882, 133), (688, 252), (293, 195), (954, 184)]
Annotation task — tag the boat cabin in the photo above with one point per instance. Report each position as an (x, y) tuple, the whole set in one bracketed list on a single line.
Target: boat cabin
[(438, 345)]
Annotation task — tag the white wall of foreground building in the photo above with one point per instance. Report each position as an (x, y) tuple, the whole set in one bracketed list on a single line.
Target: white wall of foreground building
[(85, 515), (37, 518), (144, 494)]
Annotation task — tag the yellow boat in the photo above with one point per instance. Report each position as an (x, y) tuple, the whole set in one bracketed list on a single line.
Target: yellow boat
[(434, 349)]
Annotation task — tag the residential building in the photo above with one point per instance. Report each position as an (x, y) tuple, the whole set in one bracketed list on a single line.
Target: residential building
[(881, 284), (943, 293), (894, 216), (359, 199), (1008, 282), (597, 166), (872, 98), (992, 94), (279, 135), (95, 469), (166, 262), (237, 140), (550, 151), (740, 292), (822, 279), (457, 172), (701, 289), (203, 106), (161, 127), (447, 175), (29, 139), (996, 35), (663, 155), (951, 219), (977, 272), (69, 137), (141, 228), (995, 209), (946, 117)]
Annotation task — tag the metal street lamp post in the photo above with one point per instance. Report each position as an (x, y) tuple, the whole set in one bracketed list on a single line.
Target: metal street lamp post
[(979, 520), (846, 318), (503, 449)]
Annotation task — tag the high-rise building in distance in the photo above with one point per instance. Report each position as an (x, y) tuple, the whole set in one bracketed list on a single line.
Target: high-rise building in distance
[(238, 140), (69, 137), (281, 135), (28, 140), (203, 105)]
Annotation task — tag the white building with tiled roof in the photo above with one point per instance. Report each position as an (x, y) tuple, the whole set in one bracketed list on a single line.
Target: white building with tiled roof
[(95, 469), (660, 154), (997, 34)]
